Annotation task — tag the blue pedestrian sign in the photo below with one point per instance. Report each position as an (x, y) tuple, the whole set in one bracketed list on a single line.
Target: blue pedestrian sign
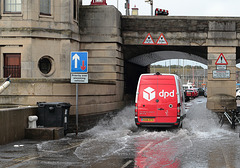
[(79, 62)]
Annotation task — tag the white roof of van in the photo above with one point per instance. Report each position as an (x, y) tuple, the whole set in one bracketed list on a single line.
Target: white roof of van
[(161, 74)]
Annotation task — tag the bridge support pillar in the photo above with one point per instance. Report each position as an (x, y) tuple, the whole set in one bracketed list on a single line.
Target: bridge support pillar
[(100, 34), (221, 87)]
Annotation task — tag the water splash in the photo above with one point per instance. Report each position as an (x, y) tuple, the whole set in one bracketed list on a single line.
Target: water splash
[(204, 123), (109, 137)]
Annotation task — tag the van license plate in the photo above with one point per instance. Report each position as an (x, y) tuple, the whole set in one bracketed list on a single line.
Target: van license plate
[(148, 119)]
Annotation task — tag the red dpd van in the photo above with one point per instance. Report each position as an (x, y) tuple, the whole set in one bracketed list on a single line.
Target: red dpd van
[(159, 101)]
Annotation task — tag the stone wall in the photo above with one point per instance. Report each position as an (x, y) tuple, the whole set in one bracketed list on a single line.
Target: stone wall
[(94, 97), (222, 39), (221, 91), (177, 30), (100, 31), (13, 123)]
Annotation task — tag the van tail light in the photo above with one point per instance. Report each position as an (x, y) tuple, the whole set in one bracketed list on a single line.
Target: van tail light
[(136, 110), (178, 109)]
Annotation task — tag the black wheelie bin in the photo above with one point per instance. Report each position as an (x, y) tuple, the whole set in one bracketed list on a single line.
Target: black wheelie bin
[(53, 114)]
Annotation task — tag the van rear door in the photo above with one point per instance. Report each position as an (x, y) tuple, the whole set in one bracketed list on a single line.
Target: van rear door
[(157, 99), (146, 103), (167, 99)]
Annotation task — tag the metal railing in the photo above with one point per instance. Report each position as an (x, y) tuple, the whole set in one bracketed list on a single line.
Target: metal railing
[(13, 70)]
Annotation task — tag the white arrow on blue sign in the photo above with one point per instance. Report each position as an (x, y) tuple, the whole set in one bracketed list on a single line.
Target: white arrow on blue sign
[(79, 62)]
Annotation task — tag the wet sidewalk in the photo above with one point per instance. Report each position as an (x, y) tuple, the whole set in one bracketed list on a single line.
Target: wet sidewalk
[(29, 154)]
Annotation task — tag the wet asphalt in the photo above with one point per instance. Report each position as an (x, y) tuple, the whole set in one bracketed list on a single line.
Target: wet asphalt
[(202, 142)]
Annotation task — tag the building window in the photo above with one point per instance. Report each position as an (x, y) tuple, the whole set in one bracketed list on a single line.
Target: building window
[(46, 65), (12, 6), (75, 9), (12, 65), (45, 7)]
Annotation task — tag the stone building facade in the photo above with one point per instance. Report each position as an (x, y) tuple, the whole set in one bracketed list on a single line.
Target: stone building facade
[(38, 35), (36, 39)]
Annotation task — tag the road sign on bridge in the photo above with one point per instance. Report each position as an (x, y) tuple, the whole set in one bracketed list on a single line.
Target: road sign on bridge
[(148, 40), (221, 60), (161, 40)]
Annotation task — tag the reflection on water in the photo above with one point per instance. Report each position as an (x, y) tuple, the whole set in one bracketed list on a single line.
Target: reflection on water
[(158, 149)]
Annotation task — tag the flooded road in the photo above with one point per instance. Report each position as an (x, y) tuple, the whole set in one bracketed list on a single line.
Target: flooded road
[(118, 143)]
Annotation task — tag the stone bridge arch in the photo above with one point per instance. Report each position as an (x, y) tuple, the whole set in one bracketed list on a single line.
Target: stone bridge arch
[(206, 37), (137, 65), (149, 58)]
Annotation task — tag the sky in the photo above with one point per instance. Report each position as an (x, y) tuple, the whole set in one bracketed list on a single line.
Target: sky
[(219, 8), (182, 7)]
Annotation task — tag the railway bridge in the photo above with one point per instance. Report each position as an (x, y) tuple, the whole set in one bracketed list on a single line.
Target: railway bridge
[(138, 41)]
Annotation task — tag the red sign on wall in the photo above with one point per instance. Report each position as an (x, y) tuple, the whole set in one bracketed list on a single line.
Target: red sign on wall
[(148, 40), (161, 40)]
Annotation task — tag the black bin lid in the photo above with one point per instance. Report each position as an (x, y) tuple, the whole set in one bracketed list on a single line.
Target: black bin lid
[(56, 104)]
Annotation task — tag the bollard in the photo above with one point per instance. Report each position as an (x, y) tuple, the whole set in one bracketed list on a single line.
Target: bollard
[(32, 121)]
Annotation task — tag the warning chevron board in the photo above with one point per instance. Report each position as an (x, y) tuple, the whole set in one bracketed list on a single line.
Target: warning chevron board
[(161, 40), (221, 60), (148, 40)]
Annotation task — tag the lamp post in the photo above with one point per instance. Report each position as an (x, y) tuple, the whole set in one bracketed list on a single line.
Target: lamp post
[(151, 3)]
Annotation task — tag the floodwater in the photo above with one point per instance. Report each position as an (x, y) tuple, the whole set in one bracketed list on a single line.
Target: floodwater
[(115, 142), (200, 143)]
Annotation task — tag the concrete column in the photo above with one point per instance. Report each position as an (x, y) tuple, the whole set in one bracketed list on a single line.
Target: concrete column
[(221, 91)]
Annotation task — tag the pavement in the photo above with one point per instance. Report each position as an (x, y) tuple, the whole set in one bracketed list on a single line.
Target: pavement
[(32, 153)]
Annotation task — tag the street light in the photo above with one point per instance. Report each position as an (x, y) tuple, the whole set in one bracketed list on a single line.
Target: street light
[(151, 3)]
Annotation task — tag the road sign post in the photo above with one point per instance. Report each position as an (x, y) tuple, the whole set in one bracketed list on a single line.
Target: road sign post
[(79, 69), (76, 108)]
